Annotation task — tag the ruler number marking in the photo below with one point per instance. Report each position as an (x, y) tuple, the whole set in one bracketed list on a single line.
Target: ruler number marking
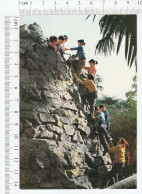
[(16, 184), (79, 2), (139, 2)]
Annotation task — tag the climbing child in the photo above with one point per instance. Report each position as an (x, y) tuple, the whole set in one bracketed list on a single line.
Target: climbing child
[(107, 118), (103, 133), (78, 60), (119, 163), (80, 51), (59, 45), (91, 91), (92, 69), (52, 42)]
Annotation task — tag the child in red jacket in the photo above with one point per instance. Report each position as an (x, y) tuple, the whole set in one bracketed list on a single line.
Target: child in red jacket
[(52, 42)]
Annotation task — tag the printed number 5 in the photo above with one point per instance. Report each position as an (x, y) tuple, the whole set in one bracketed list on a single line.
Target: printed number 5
[(79, 3)]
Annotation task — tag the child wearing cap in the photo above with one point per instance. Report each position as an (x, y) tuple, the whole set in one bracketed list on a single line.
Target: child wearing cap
[(92, 69), (119, 163)]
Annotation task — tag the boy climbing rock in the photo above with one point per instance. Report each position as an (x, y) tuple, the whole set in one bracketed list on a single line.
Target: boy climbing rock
[(78, 60), (103, 133), (106, 113), (90, 91), (92, 69), (119, 162)]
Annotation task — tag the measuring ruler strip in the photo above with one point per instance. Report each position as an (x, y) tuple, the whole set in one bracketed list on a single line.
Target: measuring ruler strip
[(9, 100), (81, 7)]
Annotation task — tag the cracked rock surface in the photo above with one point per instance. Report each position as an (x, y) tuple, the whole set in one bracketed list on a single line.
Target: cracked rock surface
[(56, 150)]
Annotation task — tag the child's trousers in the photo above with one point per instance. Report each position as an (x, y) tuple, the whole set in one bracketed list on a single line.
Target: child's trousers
[(116, 172), (103, 134), (91, 98)]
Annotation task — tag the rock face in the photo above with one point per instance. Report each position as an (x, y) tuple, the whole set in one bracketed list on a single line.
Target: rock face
[(56, 151)]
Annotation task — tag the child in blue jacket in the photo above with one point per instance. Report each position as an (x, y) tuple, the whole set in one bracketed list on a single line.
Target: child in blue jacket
[(107, 117), (80, 51)]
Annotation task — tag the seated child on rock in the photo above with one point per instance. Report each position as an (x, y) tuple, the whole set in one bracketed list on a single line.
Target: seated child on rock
[(66, 39), (52, 42), (59, 45)]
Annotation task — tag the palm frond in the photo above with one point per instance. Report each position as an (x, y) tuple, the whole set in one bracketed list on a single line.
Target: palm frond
[(94, 18), (103, 45), (87, 17), (118, 26), (130, 52), (126, 43), (133, 56), (119, 42)]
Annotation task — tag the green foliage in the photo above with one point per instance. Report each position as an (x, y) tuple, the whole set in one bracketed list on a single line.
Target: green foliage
[(131, 95), (123, 122), (123, 114), (98, 82), (108, 100)]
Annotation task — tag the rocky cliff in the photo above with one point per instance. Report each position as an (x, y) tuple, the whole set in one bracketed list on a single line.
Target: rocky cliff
[(57, 150)]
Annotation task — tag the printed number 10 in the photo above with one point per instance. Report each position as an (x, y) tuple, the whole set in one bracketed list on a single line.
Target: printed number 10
[(139, 2)]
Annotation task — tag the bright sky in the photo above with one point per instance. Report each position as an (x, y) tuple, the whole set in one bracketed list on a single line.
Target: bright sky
[(113, 69)]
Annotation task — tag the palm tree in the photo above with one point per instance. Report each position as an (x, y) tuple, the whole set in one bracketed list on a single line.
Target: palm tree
[(116, 27)]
